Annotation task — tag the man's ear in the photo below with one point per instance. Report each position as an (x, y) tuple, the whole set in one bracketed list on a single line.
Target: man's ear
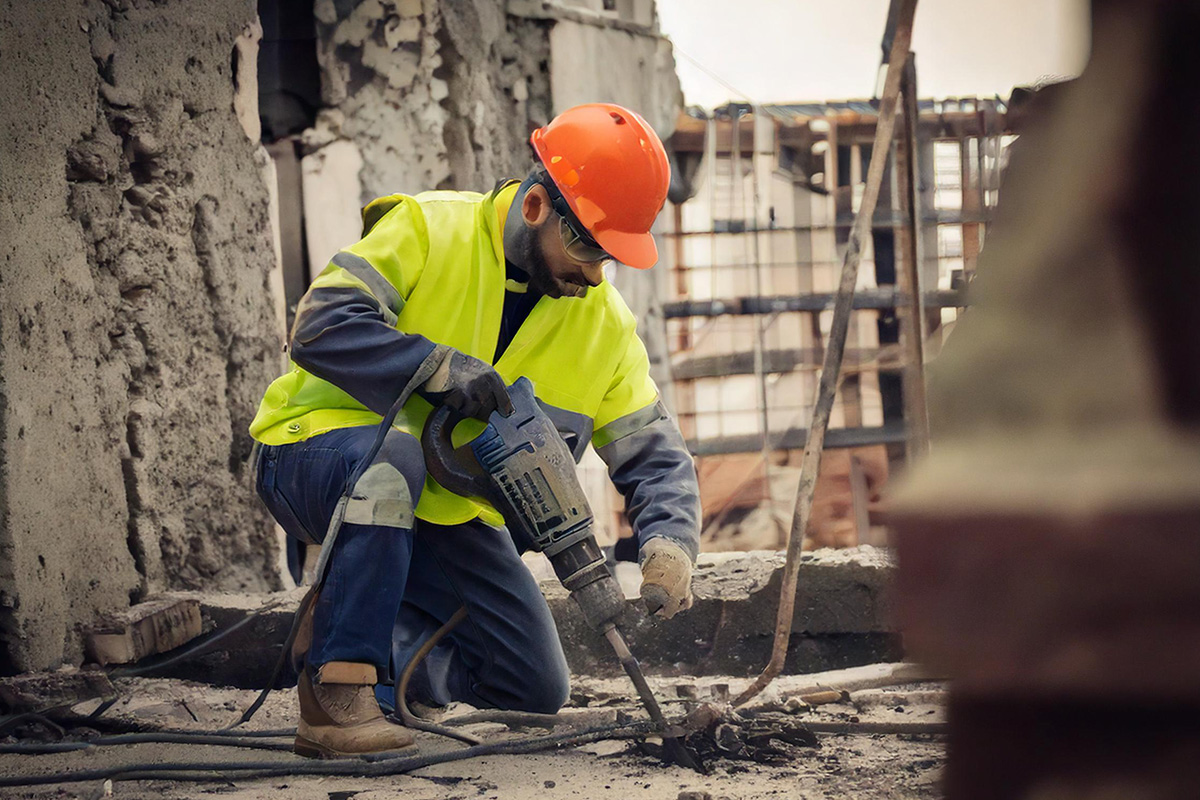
[(535, 206)]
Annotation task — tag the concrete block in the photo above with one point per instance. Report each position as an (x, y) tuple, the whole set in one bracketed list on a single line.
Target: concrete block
[(42, 691), (842, 620), (143, 630)]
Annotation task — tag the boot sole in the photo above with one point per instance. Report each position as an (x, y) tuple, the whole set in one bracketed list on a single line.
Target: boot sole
[(310, 749)]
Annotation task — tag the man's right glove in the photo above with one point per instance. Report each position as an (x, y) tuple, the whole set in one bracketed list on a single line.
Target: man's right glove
[(469, 386), (666, 578)]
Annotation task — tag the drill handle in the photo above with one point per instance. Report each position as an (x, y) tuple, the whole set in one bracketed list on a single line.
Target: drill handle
[(455, 468)]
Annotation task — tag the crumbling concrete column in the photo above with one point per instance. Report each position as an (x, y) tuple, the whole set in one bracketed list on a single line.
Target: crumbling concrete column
[(136, 327), (434, 95)]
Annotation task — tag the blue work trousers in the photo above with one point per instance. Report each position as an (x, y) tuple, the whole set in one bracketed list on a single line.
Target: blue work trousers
[(388, 588)]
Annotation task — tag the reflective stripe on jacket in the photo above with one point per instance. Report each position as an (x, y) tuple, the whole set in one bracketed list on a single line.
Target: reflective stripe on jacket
[(432, 267)]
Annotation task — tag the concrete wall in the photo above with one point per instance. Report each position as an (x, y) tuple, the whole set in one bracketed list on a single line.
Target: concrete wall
[(437, 94), (140, 317), (432, 94), (136, 327)]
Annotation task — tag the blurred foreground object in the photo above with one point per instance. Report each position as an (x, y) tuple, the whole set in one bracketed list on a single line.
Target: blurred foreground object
[(1049, 548)]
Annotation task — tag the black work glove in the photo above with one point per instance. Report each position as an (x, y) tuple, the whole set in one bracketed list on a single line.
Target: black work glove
[(467, 385)]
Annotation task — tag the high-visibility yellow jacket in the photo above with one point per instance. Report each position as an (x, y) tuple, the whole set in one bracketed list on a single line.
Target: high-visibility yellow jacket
[(433, 265)]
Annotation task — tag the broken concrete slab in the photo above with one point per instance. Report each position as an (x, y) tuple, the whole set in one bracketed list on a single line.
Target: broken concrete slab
[(842, 620), (842, 617), (44, 691), (143, 630)]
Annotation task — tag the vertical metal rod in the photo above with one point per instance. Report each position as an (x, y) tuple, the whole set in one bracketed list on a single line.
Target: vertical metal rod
[(859, 501), (910, 309), (760, 372), (970, 208), (827, 387), (681, 275)]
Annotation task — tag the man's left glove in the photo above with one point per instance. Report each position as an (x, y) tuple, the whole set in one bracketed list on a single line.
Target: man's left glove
[(468, 385), (666, 577)]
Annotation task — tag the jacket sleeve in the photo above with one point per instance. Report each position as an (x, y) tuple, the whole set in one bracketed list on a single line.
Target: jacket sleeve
[(647, 458), (345, 329)]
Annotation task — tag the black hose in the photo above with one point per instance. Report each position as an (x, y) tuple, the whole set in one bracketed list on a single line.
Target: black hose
[(367, 766), (253, 743), (284, 654), (412, 720)]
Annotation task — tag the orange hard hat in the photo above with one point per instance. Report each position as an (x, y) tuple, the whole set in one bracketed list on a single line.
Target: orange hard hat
[(611, 167)]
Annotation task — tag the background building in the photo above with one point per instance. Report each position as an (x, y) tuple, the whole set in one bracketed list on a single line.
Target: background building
[(752, 258)]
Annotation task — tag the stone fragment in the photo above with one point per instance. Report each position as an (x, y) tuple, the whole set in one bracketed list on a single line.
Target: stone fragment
[(325, 11), (608, 747), (794, 705), (85, 163), (144, 630), (119, 97), (41, 691), (689, 794), (245, 81), (397, 30)]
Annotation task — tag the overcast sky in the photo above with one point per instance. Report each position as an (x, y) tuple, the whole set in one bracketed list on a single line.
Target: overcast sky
[(777, 51)]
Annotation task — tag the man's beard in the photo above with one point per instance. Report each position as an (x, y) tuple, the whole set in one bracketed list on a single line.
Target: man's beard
[(541, 279)]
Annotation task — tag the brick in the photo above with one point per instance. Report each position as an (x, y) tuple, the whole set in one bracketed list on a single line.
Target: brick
[(144, 630)]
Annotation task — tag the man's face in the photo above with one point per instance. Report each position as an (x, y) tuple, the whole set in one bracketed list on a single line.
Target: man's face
[(543, 251), (565, 276)]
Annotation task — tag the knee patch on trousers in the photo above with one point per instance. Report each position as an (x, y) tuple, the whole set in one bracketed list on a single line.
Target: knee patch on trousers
[(382, 498)]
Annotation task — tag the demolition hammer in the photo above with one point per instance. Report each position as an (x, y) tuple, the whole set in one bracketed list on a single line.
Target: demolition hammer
[(522, 466)]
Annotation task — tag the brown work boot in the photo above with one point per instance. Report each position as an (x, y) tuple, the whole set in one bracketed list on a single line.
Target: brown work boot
[(339, 715)]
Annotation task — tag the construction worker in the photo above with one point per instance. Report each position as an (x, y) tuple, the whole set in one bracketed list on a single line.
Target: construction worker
[(475, 291)]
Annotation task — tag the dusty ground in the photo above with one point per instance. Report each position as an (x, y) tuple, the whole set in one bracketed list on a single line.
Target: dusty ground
[(842, 766)]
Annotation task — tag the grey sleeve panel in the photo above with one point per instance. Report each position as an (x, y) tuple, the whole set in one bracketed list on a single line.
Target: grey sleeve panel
[(387, 294), (653, 469), (630, 423), (341, 335)]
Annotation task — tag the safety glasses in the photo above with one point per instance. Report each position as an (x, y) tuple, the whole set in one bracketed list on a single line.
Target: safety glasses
[(578, 245), (577, 248)]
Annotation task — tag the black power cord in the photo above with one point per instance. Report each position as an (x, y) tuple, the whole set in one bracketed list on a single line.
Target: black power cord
[(366, 766)]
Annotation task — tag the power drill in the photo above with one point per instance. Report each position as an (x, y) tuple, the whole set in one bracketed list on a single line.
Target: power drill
[(522, 466)]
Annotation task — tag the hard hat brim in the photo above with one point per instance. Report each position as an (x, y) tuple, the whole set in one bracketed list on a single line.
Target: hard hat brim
[(636, 250)]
